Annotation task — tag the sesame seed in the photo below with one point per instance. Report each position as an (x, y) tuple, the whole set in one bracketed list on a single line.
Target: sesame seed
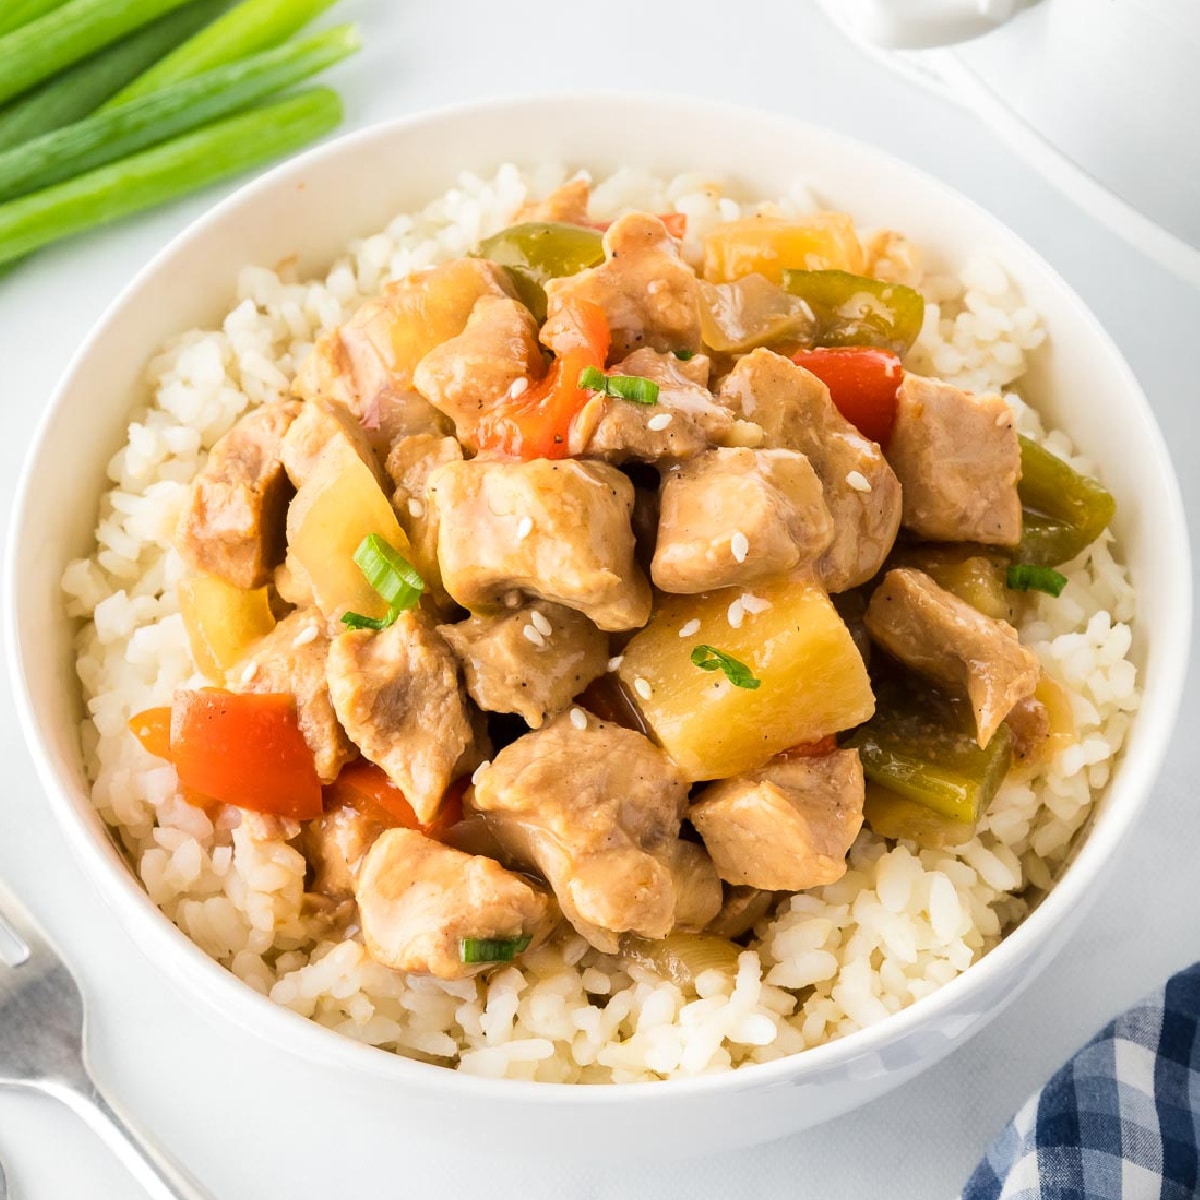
[(518, 388), (642, 688), (532, 635), (249, 673), (737, 611), (659, 422), (415, 507), (614, 664), (578, 718), (479, 770), (1004, 420), (739, 546), (858, 481), (691, 628), (540, 623), (524, 528), (754, 604), (305, 636)]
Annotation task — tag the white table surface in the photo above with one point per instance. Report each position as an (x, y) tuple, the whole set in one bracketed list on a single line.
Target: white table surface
[(255, 1128)]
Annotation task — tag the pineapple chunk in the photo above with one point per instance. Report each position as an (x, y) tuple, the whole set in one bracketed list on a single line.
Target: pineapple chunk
[(823, 241), (813, 681), (337, 506), (222, 621)]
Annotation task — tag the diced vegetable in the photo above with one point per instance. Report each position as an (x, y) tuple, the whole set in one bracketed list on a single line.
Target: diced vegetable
[(863, 384), (893, 816), (770, 245), (1062, 716), (917, 745), (812, 677), (336, 508), (245, 750), (63, 36), (1025, 577), (112, 134), (246, 29), (969, 572), (166, 171), (853, 310), (537, 424), (680, 957), (486, 950), (537, 251), (709, 658), (1065, 512), (635, 388), (152, 727), (364, 786), (392, 576), (78, 91), (222, 621), (752, 311)]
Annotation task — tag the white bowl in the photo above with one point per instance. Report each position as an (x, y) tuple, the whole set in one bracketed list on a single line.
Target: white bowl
[(315, 204)]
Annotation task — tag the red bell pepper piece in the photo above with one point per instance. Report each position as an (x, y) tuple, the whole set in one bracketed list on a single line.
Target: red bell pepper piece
[(863, 382)]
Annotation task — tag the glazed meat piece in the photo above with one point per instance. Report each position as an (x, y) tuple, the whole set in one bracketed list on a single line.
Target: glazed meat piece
[(648, 293), (734, 516), (741, 909), (467, 376), (958, 459), (397, 694), (787, 826), (794, 409), (323, 426), (556, 530), (234, 523), (947, 640), (367, 364), (409, 464), (684, 422), (418, 901), (698, 893), (567, 203), (1029, 720), (596, 810), (532, 661), (335, 844), (290, 660)]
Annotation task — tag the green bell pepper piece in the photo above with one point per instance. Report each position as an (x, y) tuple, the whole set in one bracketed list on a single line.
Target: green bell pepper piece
[(852, 310), (1064, 511), (537, 251)]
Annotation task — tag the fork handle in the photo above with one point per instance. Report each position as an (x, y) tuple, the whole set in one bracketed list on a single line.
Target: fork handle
[(162, 1178)]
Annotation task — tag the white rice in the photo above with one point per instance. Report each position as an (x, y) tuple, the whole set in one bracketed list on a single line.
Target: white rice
[(901, 923)]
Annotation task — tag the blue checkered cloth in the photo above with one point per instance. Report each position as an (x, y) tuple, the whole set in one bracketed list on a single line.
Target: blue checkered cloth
[(1119, 1121)]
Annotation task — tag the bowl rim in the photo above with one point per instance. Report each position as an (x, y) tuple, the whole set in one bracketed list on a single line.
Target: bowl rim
[(123, 894)]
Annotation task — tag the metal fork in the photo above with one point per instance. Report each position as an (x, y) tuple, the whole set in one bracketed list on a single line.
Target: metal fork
[(42, 1027)]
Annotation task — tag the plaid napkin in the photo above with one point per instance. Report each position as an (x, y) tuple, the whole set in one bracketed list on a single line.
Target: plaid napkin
[(1119, 1121)]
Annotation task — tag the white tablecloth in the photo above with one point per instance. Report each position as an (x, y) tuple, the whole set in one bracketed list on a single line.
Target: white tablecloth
[(256, 1128)]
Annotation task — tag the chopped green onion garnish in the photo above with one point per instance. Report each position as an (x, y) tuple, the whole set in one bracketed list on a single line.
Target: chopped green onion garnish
[(709, 658), (391, 575), (1025, 577), (485, 950), (622, 387), (684, 355)]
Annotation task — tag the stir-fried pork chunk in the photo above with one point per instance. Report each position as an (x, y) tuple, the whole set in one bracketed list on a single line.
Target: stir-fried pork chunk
[(234, 523), (290, 660), (698, 892), (335, 844), (596, 810), (531, 661), (733, 516), (958, 459), (467, 376), (742, 909), (794, 409), (944, 638), (787, 826), (367, 364), (397, 694), (649, 295), (324, 427), (556, 530), (409, 464), (684, 422), (567, 203), (419, 900)]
